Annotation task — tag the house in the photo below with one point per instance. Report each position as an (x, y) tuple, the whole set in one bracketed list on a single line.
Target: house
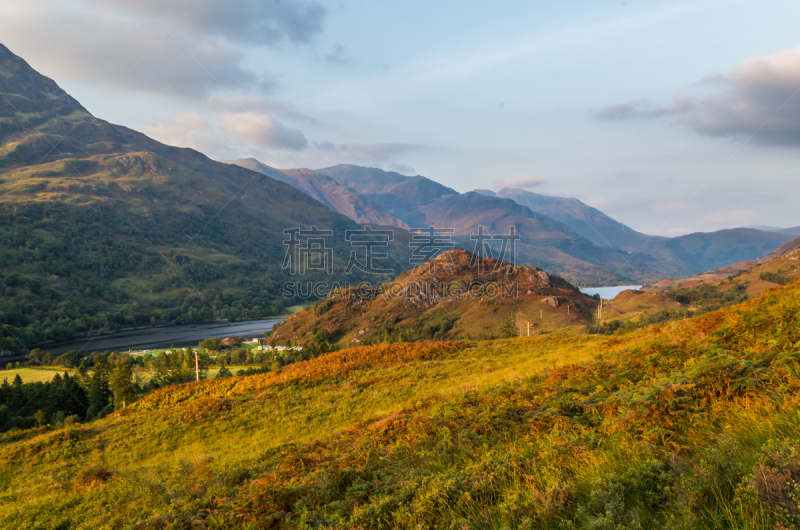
[(281, 348), (265, 347)]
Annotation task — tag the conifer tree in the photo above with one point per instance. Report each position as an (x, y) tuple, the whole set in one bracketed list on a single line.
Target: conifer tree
[(121, 382)]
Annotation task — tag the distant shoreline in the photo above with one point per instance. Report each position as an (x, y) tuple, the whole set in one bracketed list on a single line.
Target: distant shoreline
[(51, 343)]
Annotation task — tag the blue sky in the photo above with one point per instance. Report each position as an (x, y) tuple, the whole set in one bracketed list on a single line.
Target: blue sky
[(670, 116)]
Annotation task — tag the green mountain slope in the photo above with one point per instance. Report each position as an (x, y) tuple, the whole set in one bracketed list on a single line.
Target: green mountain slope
[(102, 227)]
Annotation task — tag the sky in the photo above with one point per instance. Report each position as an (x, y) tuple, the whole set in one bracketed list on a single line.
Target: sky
[(671, 116)]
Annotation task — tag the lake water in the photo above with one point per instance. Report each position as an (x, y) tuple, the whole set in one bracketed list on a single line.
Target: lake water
[(155, 338), (609, 293)]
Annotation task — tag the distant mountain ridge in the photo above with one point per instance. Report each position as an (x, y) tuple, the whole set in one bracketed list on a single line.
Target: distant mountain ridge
[(589, 222), (328, 191), (793, 231), (562, 235), (545, 242), (398, 194)]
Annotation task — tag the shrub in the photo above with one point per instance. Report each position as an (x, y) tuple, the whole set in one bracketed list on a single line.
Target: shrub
[(91, 476)]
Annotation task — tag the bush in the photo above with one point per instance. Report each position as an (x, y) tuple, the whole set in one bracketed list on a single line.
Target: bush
[(775, 277), (91, 476), (213, 344)]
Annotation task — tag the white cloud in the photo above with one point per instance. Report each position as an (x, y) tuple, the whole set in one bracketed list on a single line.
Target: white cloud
[(740, 217), (759, 99), (193, 131), (122, 45), (265, 131), (520, 182)]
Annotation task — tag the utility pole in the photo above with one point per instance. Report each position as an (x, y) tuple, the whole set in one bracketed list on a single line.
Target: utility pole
[(197, 365), (529, 328)]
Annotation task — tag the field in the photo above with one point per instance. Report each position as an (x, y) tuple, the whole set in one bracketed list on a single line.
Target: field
[(39, 374), (42, 374), (690, 424)]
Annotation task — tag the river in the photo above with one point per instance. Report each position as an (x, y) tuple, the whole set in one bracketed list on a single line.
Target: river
[(163, 337), (190, 334), (609, 293)]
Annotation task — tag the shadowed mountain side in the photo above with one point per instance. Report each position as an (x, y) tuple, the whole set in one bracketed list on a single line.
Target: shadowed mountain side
[(326, 190), (456, 295), (589, 222), (749, 264), (466, 212), (751, 276), (398, 194), (697, 252)]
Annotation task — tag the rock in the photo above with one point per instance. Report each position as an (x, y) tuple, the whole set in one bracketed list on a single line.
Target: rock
[(552, 302)]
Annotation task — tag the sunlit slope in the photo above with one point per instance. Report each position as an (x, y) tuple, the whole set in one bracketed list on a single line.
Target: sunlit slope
[(682, 425), (214, 435), (457, 295)]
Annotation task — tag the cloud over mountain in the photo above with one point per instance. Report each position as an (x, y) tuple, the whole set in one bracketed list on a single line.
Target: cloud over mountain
[(265, 131), (180, 48), (759, 99), (520, 182)]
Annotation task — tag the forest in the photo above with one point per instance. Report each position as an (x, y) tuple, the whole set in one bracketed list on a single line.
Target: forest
[(68, 270)]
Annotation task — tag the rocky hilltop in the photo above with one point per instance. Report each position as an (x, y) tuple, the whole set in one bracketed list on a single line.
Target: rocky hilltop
[(455, 295)]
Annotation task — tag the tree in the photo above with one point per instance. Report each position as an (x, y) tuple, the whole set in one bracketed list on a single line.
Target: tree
[(120, 382), (212, 345), (36, 356), (83, 373), (41, 417), (509, 328), (224, 372), (98, 384), (71, 359)]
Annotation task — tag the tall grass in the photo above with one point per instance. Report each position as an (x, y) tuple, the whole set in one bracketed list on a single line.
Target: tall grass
[(683, 425)]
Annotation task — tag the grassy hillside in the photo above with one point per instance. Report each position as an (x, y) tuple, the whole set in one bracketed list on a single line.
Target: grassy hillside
[(726, 287), (685, 425)]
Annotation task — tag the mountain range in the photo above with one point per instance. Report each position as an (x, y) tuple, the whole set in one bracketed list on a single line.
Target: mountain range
[(102, 227), (562, 235)]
